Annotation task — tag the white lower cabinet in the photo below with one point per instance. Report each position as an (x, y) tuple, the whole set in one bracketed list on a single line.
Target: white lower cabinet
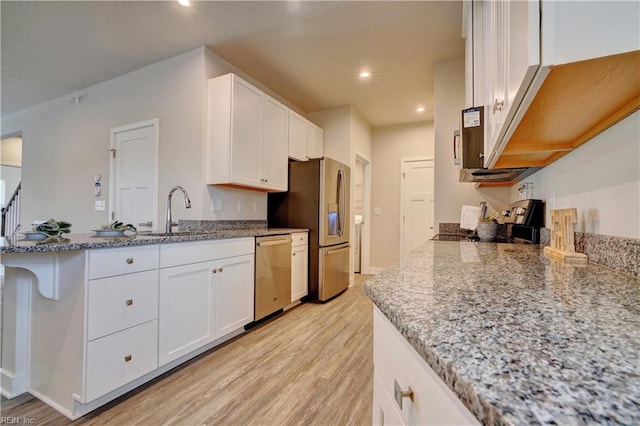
[(233, 294), (299, 266), (186, 309), (204, 300), (125, 313), (119, 358), (399, 368)]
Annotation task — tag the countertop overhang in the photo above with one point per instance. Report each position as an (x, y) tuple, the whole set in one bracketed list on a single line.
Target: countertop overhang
[(521, 339), (91, 241)]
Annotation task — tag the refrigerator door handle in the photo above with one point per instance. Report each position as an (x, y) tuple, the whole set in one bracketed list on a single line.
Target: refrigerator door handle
[(341, 192)]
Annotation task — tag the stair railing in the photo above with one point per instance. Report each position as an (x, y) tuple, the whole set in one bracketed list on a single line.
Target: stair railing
[(11, 213)]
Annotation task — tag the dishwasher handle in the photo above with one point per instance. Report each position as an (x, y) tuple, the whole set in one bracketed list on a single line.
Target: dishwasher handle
[(272, 243)]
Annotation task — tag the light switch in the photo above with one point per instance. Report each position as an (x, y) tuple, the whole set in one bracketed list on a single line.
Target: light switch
[(377, 211), (100, 206)]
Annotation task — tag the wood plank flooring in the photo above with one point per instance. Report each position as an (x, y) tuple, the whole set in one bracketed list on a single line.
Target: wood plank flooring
[(312, 365)]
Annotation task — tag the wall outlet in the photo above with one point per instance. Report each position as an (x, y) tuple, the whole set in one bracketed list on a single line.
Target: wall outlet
[(552, 200), (256, 207), (100, 206), (216, 205), (240, 206)]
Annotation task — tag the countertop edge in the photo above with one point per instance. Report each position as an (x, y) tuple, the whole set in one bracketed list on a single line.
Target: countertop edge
[(90, 241), (485, 412)]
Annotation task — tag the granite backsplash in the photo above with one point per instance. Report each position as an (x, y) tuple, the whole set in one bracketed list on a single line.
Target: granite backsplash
[(619, 253)]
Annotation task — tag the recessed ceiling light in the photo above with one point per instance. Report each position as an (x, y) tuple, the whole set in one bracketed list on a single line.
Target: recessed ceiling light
[(185, 3), (365, 74), (420, 109)]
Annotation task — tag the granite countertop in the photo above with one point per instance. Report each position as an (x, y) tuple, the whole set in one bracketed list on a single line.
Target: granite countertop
[(521, 339), (91, 241)]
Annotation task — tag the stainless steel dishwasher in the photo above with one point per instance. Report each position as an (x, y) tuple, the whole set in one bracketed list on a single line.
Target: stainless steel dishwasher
[(273, 274)]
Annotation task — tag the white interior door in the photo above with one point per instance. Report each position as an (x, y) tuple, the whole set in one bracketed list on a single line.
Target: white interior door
[(416, 208), (134, 174)]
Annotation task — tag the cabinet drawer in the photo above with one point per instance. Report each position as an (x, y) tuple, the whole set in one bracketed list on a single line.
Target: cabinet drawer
[(299, 239), (201, 251), (117, 359), (395, 360), (120, 302), (118, 261)]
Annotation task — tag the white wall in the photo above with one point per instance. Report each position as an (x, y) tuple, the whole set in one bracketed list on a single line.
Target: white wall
[(390, 144), (601, 179), (67, 144), (451, 195)]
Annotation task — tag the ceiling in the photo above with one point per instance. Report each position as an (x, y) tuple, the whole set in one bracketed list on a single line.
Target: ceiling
[(309, 52)]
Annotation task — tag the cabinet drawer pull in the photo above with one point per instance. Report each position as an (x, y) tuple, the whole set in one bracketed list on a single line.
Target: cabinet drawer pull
[(399, 394), (129, 260), (127, 358), (128, 302)]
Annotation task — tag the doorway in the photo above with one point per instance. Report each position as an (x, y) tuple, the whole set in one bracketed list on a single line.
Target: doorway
[(10, 182), (416, 202), (133, 190), (361, 210)]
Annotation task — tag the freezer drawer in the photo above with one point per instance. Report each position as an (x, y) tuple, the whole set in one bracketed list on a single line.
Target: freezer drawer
[(333, 270)]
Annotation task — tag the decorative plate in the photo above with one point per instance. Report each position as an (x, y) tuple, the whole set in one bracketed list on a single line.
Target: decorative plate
[(34, 236), (109, 232)]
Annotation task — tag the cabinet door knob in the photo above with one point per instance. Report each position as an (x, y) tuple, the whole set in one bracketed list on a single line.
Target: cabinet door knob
[(399, 394), (214, 270), (219, 269), (128, 302), (129, 260), (293, 254), (127, 358)]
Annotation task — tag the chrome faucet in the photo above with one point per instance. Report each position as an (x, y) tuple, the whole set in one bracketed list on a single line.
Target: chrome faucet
[(187, 204)]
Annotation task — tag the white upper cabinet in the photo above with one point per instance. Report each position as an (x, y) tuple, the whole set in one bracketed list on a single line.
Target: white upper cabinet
[(298, 137), (551, 75), (305, 138), (247, 136), (315, 141)]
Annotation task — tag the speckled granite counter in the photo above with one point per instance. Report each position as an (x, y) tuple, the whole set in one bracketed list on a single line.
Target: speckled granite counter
[(90, 241), (521, 339)]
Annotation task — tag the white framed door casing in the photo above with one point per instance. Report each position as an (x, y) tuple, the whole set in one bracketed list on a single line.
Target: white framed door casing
[(416, 202), (133, 189)]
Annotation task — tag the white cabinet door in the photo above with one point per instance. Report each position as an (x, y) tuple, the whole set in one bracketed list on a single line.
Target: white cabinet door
[(274, 170), (315, 141), (186, 309), (496, 86), (384, 408), (234, 290), (299, 272), (246, 134), (298, 134)]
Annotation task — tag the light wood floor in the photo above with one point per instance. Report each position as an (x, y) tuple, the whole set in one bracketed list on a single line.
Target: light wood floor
[(312, 365)]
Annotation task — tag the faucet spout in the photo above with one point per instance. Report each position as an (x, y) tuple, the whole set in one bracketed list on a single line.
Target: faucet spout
[(187, 204)]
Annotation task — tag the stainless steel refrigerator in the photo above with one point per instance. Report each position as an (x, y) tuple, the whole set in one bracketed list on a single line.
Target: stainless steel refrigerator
[(318, 199)]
